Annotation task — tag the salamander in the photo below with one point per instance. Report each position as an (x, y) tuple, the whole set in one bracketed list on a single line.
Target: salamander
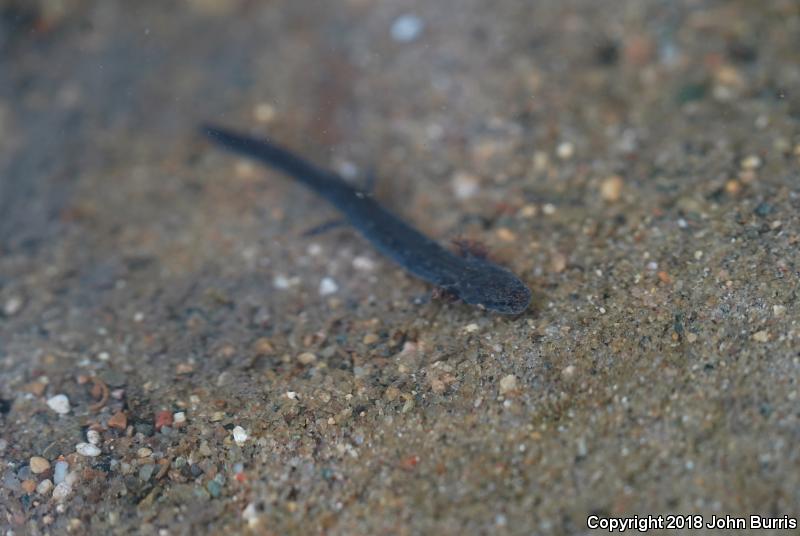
[(470, 277)]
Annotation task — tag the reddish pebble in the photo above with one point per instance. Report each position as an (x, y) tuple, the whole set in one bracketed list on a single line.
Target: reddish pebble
[(409, 463), (163, 418), (119, 421)]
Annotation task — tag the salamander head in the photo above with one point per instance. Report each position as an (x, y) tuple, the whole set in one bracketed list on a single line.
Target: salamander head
[(492, 287)]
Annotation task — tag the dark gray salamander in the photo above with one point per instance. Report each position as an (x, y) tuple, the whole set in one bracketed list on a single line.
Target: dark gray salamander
[(473, 279)]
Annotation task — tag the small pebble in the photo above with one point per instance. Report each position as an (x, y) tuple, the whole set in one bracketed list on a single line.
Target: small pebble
[(761, 336), (163, 418), (364, 264), (179, 417), (691, 337), (327, 286), (24, 472), (12, 306), (751, 162), (62, 491), (391, 393), (465, 185), (263, 346), (611, 189), (371, 338), (44, 487), (146, 471), (471, 328), (144, 452), (733, 187), (28, 486), (10, 481), (264, 112), (119, 421), (87, 449), (93, 437), (763, 209), (506, 235), (558, 263), (528, 211), (59, 404), (508, 384), (565, 150), (406, 28), (778, 310), (214, 488), (60, 472), (568, 372), (38, 465), (239, 435), (549, 209), (281, 282), (306, 358)]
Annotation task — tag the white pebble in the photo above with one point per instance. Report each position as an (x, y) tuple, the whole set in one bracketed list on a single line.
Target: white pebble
[(508, 384), (12, 306), (239, 435), (87, 449), (59, 404), (264, 112), (465, 185), (251, 515), (565, 150), (62, 491), (347, 169), (406, 28), (327, 286), (364, 264), (281, 282), (44, 487), (751, 162), (179, 417), (93, 437)]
